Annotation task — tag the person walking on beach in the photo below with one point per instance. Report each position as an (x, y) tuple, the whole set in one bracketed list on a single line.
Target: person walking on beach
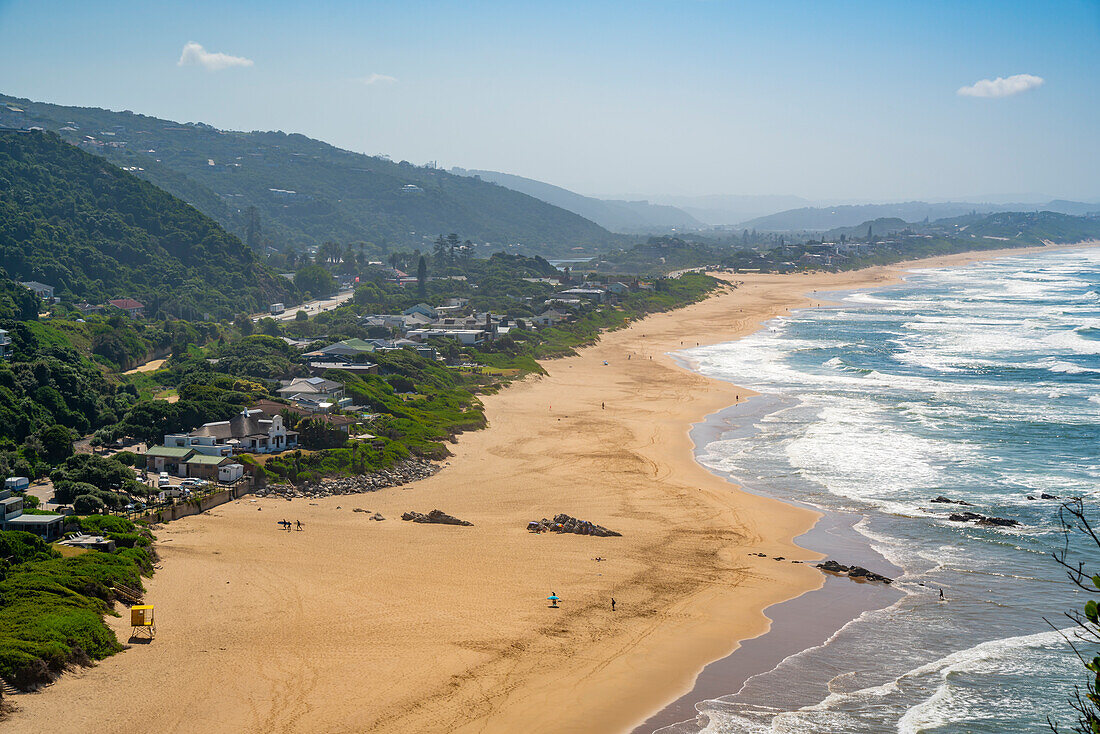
[(612, 603), (942, 597), (299, 524), (603, 407)]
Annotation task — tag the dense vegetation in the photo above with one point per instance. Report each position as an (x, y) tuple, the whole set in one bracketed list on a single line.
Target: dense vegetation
[(52, 607), (95, 232), (305, 192)]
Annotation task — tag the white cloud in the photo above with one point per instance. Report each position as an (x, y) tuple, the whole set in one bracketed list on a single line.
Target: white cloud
[(1002, 86), (370, 79), (195, 55)]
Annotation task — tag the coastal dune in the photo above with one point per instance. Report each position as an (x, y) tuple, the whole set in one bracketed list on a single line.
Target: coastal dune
[(360, 625)]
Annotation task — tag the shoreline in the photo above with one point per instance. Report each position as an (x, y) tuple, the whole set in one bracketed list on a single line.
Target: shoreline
[(833, 534), (396, 627)]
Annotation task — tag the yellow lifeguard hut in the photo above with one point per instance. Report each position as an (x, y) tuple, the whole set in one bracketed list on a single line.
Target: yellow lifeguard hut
[(142, 621)]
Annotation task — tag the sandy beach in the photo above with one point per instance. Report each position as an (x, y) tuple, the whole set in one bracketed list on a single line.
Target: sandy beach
[(355, 625)]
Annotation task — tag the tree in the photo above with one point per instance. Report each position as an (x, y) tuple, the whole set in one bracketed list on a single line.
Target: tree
[(314, 433), (87, 504), (440, 250), (315, 280), (301, 316), (57, 443), (244, 325), (269, 326), (422, 277), (1086, 705)]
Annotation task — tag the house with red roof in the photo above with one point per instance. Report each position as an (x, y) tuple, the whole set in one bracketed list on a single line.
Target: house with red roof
[(134, 309)]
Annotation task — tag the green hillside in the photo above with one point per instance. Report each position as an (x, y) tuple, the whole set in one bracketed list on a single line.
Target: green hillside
[(94, 232), (306, 192)]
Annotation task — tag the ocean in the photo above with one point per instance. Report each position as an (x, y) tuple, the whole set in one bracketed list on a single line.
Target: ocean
[(977, 383)]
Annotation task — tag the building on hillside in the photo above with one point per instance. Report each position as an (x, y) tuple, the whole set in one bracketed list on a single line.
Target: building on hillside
[(320, 366), (348, 348), (423, 309), (312, 386), (48, 527), (206, 467), (168, 459), (89, 308), (592, 294), (201, 444), (550, 317), (248, 431), (134, 309), (343, 422), (5, 345), (466, 337), (43, 291), (618, 288)]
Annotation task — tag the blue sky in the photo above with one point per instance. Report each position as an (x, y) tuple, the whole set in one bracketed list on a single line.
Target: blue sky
[(830, 100)]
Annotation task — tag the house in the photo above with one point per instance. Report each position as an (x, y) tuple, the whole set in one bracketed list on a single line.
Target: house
[(5, 345), (168, 459), (361, 368), (89, 308), (423, 309), (618, 288), (592, 294), (343, 422), (201, 444), (311, 386), (134, 309), (346, 348), (43, 291), (466, 337), (206, 467), (248, 431), (549, 317), (49, 527)]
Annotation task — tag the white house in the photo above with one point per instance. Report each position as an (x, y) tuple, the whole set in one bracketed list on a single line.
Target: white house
[(43, 291)]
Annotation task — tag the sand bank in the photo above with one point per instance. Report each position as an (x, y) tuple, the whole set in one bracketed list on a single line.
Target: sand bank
[(355, 625)]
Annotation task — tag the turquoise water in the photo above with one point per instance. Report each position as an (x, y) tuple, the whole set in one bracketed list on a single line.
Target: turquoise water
[(978, 383)]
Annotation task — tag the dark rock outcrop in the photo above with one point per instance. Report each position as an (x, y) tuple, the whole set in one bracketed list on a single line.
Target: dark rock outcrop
[(944, 500), (563, 523), (437, 517), (983, 520), (856, 573)]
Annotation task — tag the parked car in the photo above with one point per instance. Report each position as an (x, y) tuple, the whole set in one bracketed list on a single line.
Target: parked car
[(163, 481)]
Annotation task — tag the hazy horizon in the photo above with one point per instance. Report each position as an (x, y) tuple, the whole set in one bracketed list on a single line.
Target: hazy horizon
[(862, 103)]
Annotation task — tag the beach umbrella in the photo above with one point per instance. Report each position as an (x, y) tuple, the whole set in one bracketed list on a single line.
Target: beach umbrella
[(552, 597)]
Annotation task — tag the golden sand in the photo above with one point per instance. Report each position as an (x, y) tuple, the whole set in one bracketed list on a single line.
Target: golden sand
[(355, 625)]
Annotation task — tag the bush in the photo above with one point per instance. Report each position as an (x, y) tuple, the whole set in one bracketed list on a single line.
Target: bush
[(51, 608)]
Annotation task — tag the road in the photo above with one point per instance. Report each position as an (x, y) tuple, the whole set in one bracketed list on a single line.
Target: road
[(310, 307)]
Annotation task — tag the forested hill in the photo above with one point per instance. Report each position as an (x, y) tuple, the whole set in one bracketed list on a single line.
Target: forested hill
[(95, 232), (307, 192)]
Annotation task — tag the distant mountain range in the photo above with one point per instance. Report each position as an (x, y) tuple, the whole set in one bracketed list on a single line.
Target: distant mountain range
[(305, 192), (618, 216), (817, 219)]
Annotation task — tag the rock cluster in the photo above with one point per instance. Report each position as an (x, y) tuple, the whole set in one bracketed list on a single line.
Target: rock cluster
[(984, 520), (563, 523), (411, 470), (945, 500), (435, 516), (1044, 496), (373, 516), (858, 573)]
